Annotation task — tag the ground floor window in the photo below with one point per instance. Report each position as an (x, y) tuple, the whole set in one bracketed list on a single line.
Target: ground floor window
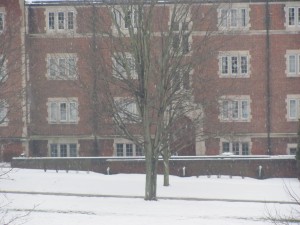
[(63, 150), (291, 149), (128, 149), (237, 148)]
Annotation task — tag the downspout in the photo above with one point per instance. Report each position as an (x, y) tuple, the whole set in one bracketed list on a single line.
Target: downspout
[(268, 74)]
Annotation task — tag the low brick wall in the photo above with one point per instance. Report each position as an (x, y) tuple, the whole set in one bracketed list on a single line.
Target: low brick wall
[(271, 167)]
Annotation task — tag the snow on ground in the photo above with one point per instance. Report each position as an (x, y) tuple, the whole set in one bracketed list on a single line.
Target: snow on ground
[(209, 209)]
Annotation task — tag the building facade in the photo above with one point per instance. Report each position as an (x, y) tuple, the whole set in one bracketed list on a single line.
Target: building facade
[(253, 76)]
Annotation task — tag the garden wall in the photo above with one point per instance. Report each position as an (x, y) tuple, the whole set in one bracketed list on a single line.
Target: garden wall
[(271, 167)]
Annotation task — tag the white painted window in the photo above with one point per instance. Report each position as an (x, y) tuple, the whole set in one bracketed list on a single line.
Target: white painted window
[(234, 17), (125, 17), (126, 109), (3, 113), (60, 20), (293, 16), (1, 22), (123, 149), (235, 147), (3, 72), (63, 110), (234, 64), (181, 81), (235, 108), (291, 148), (63, 150), (124, 66), (293, 107), (293, 63), (62, 66)]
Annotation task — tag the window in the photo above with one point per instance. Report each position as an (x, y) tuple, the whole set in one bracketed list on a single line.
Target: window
[(3, 72), (1, 22), (181, 81), (126, 18), (63, 111), (293, 107), (3, 113), (63, 150), (61, 20), (292, 17), (234, 18), (62, 66), (234, 64), (237, 148), (128, 149), (235, 109), (124, 66), (127, 110), (293, 63)]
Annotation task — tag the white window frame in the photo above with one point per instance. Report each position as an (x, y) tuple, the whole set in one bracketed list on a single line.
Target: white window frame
[(54, 106), (240, 142), (68, 26), (225, 17), (296, 24), (2, 21), (3, 113), (229, 55), (235, 109), (293, 116), (183, 31), (3, 69), (126, 109), (118, 13), (122, 71), (125, 143), (296, 55), (289, 147), (54, 68), (59, 143)]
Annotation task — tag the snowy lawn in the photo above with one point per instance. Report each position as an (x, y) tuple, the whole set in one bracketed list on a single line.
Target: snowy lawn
[(206, 196)]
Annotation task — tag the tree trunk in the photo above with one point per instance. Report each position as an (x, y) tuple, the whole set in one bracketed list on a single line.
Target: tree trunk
[(151, 176), (166, 167)]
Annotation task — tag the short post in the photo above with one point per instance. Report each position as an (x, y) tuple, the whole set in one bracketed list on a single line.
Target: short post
[(107, 170)]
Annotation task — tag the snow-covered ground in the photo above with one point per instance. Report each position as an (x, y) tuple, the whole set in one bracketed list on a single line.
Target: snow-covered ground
[(78, 198)]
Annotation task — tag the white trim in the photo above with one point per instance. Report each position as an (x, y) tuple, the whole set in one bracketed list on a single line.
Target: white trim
[(58, 102), (239, 99), (288, 100), (239, 140), (288, 54), (289, 146), (229, 55), (61, 141)]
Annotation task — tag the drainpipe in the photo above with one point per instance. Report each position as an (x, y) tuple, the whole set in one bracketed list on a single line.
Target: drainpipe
[(268, 74)]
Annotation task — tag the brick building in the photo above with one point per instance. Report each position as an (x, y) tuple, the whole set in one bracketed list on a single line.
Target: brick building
[(253, 76)]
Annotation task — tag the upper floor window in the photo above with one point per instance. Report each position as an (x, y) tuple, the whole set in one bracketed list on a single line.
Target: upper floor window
[(61, 66), (125, 17), (293, 107), (292, 14), (60, 20), (124, 66), (293, 63), (235, 17), (235, 108), (3, 72), (234, 64), (236, 147), (1, 21), (3, 113), (63, 110), (126, 109), (181, 81)]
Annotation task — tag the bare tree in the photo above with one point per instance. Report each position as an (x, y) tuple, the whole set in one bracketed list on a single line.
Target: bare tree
[(12, 78), (145, 66)]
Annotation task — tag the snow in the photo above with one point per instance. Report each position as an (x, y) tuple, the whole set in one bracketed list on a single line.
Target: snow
[(77, 198)]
